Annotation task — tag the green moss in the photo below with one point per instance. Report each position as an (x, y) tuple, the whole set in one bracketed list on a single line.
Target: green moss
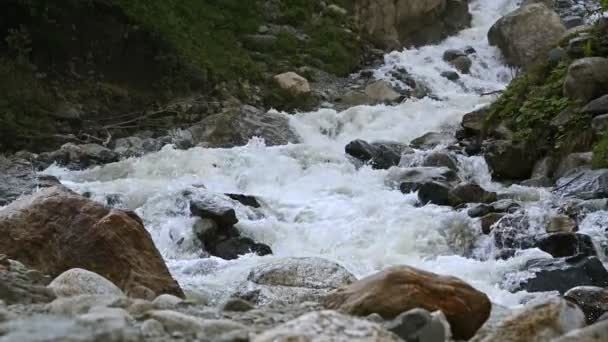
[(128, 55), (530, 102), (600, 153)]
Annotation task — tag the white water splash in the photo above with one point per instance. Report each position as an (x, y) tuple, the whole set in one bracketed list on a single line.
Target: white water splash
[(315, 202)]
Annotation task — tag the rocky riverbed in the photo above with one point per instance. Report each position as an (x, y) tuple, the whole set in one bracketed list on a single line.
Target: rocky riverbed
[(429, 197)]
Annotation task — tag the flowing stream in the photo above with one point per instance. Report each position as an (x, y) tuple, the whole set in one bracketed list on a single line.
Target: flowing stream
[(316, 202)]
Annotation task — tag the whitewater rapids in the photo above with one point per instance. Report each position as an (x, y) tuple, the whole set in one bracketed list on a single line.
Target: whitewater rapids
[(315, 201)]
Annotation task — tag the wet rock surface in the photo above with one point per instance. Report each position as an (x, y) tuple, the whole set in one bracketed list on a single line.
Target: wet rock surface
[(55, 230), (399, 289)]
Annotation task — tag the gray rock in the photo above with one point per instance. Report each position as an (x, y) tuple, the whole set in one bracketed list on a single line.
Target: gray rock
[(557, 55), (508, 160), (592, 300), (77, 305), (594, 333), (480, 210), (105, 318), (489, 220), (293, 280), (167, 301), (433, 139), (543, 168), (473, 122), (381, 91), (237, 305), (51, 328), (327, 326), (450, 75), (572, 162), (539, 322), (135, 146), (470, 193), (19, 177), (418, 325), (585, 184), (566, 244), (573, 21), (527, 34), (462, 64), (380, 154), (440, 159), (587, 79), (17, 287), (77, 157), (397, 176), (77, 282), (597, 107), (563, 274), (236, 127), (599, 124), (151, 328), (561, 224), (405, 23), (355, 98), (211, 329)]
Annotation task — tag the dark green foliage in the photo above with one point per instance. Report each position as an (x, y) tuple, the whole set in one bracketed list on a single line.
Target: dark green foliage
[(123, 56), (600, 153), (530, 102), (25, 105)]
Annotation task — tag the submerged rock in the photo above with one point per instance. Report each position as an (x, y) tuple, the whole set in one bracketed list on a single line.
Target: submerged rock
[(428, 192), (397, 176), (539, 322), (293, 280), (77, 282), (433, 139), (56, 230), (401, 288), (380, 155), (216, 230), (382, 92), (563, 274), (327, 325), (587, 79)]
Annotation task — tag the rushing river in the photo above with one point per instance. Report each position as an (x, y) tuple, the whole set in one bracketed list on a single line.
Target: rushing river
[(317, 203)]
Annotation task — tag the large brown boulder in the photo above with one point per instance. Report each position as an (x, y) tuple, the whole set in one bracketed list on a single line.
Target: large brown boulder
[(527, 34), (401, 288), (55, 230), (411, 22)]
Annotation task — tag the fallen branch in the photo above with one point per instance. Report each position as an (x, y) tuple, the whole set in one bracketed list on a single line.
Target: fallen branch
[(494, 92)]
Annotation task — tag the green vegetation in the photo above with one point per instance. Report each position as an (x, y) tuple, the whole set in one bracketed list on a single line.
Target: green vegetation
[(120, 56), (600, 153), (530, 102), (541, 117)]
